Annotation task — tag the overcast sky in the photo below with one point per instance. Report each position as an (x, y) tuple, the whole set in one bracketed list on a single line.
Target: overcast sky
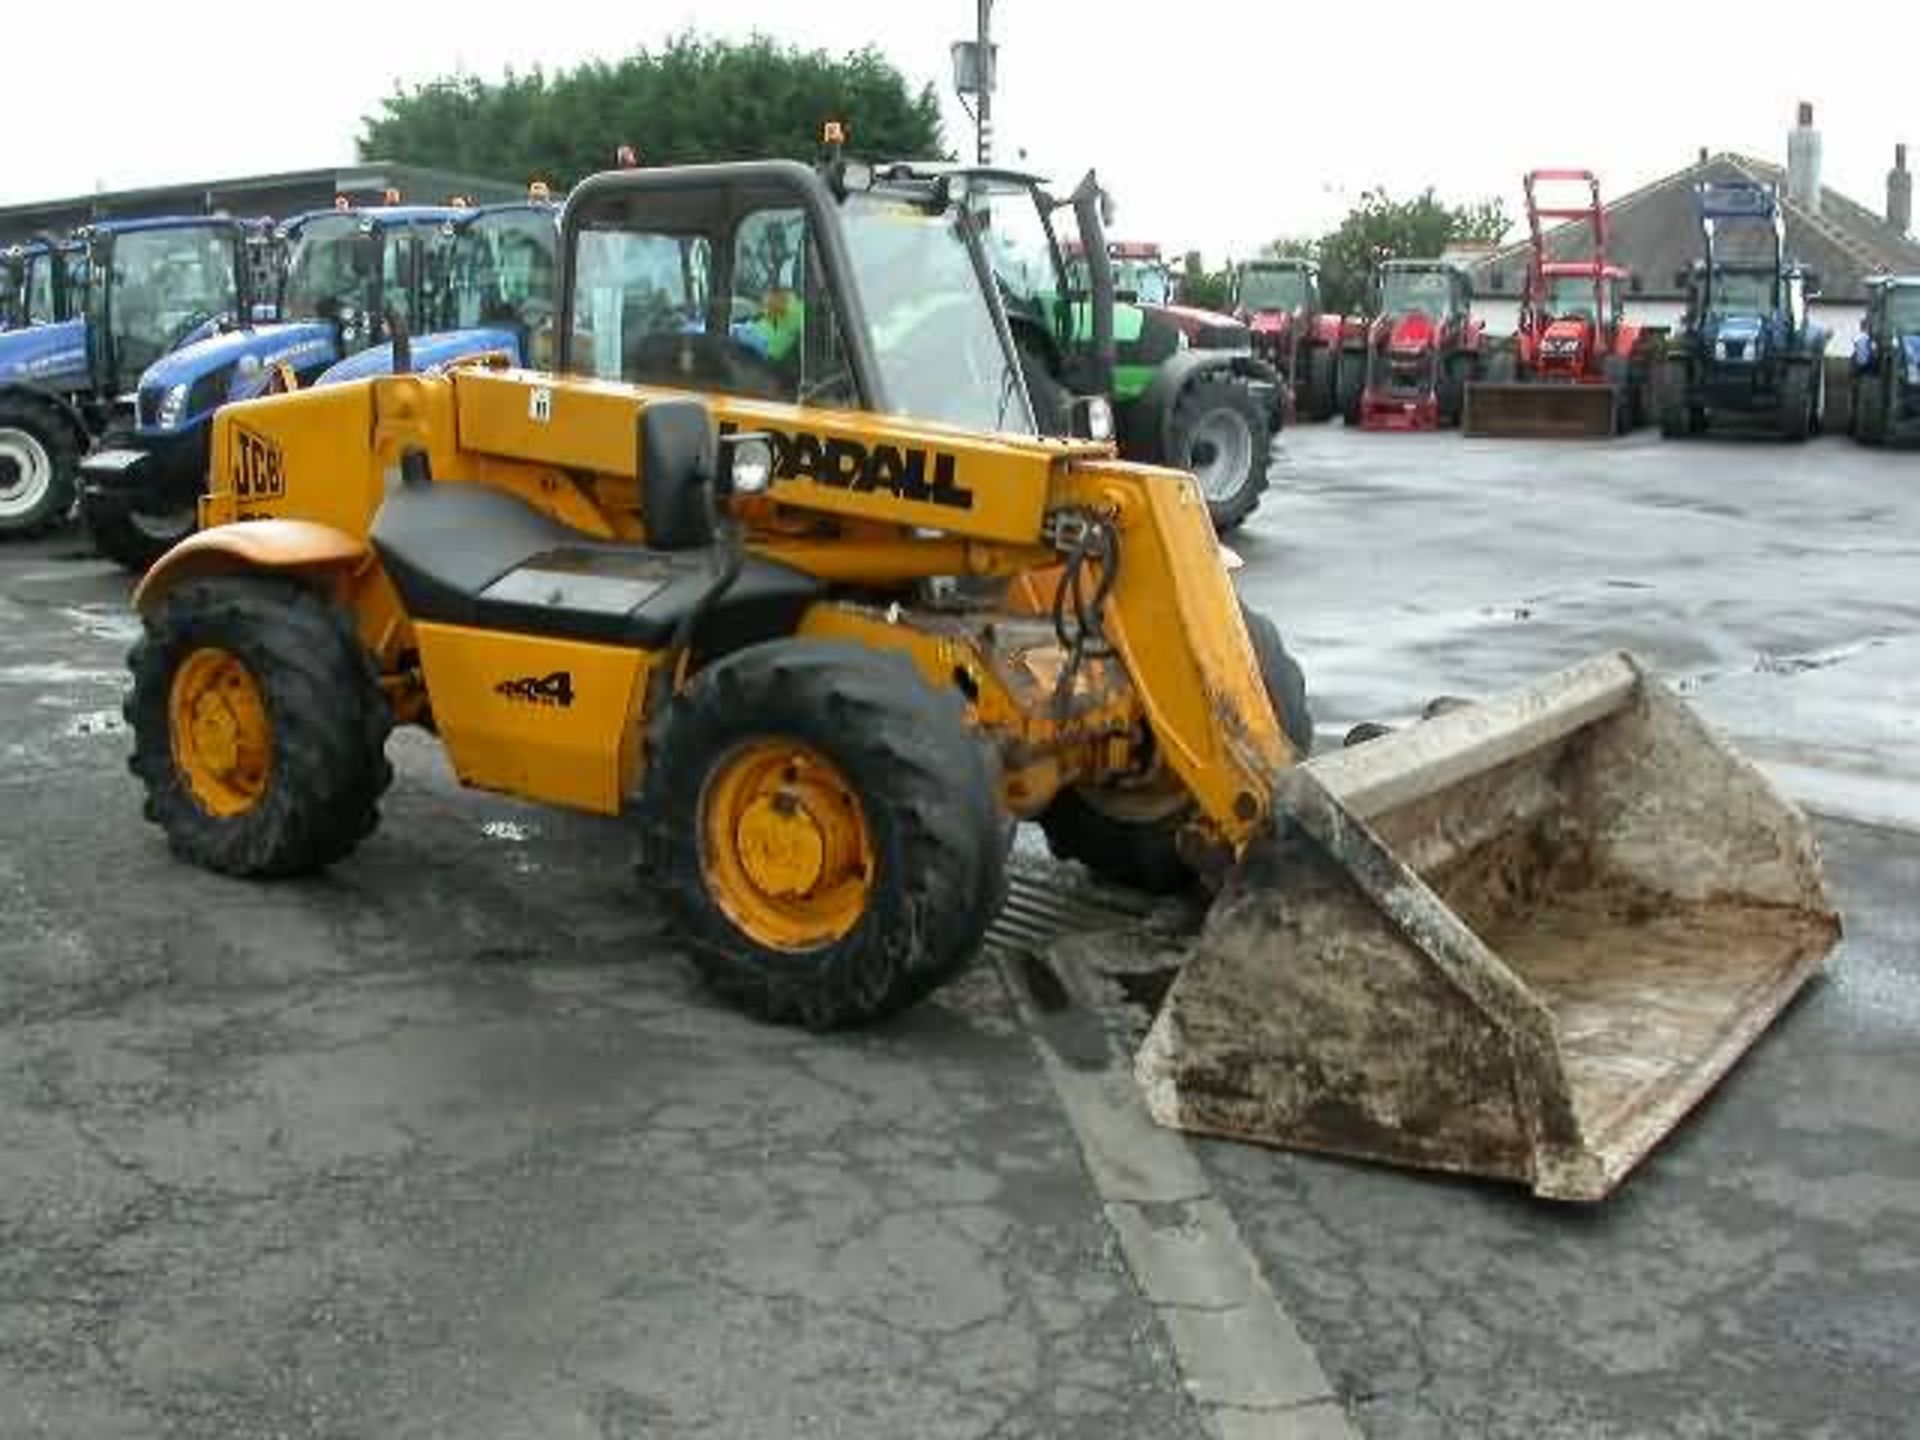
[(1216, 125)]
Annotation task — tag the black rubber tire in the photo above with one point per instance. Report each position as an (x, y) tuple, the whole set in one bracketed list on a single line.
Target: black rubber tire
[(931, 807), (1619, 375), (1677, 419), (1201, 397), (1352, 378), (54, 434), (330, 725), (119, 538), (1869, 420), (1796, 401), (1143, 854), (1318, 397)]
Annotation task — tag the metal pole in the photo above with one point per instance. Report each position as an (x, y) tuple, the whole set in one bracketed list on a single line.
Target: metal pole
[(984, 125)]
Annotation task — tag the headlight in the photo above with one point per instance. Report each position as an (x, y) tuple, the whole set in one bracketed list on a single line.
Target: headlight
[(1719, 349), (172, 406)]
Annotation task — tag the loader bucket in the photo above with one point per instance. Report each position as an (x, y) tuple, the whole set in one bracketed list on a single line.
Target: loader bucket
[(1540, 411), (1518, 940)]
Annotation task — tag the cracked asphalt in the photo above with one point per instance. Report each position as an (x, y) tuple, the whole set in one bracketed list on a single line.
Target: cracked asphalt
[(448, 1142)]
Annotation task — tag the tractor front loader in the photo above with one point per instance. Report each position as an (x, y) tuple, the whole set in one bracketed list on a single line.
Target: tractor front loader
[(705, 575)]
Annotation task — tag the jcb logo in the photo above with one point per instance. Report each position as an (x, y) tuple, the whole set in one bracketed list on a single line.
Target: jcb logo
[(257, 470)]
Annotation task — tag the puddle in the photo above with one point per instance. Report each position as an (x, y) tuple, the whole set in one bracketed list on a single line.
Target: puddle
[(109, 625), (95, 722), (58, 674), (512, 831)]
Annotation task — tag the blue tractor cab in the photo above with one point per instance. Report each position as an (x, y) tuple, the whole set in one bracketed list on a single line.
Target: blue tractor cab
[(1747, 345), (41, 282), (142, 287), (1885, 373), (355, 281)]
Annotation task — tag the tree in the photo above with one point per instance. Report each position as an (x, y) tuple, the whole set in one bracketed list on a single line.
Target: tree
[(694, 100), (1382, 228), (1202, 288)]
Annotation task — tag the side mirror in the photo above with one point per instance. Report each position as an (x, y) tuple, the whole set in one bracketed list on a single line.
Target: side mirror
[(1810, 283), (367, 256)]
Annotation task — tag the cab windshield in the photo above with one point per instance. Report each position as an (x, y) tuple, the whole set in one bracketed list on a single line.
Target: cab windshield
[(1903, 310), (1741, 292), (166, 284), (932, 325), (1263, 289), (1428, 291), (503, 270), (326, 281), (1143, 281), (1570, 297)]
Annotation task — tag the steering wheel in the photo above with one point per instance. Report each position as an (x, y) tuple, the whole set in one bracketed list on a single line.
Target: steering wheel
[(186, 327), (708, 362)]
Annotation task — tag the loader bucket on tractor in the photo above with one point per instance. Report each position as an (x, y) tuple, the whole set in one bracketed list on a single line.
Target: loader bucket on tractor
[(1539, 411), (1518, 940)]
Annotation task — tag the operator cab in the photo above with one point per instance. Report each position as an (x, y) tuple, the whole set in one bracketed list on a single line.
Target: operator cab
[(157, 285), (500, 268), (854, 289)]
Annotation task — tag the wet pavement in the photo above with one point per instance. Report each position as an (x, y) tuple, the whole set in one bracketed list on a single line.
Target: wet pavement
[(449, 1142)]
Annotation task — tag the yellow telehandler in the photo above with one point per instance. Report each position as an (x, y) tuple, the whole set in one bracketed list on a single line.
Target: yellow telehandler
[(775, 563)]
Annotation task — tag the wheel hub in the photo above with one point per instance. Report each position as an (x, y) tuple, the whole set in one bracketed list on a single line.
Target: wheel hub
[(1221, 453), (222, 737), (26, 470), (785, 846)]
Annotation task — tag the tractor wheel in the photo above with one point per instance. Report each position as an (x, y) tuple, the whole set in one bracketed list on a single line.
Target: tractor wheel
[(1678, 419), (1619, 377), (1797, 399), (1219, 432), (825, 831), (259, 726), (1131, 837), (1869, 411), (1319, 397), (39, 466), (1352, 378), (134, 539)]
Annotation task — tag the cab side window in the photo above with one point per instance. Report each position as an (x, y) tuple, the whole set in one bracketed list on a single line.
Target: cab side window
[(781, 320)]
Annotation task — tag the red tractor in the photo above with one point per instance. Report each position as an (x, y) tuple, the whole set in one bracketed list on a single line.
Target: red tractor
[(1279, 301), (1423, 349), (1577, 367)]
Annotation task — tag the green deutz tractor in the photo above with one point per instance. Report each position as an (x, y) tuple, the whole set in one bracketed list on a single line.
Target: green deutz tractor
[(1185, 386)]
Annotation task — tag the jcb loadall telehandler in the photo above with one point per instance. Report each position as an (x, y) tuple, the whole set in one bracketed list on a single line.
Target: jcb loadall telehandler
[(776, 565)]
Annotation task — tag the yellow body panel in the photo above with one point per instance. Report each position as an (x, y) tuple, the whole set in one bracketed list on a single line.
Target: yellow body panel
[(551, 720)]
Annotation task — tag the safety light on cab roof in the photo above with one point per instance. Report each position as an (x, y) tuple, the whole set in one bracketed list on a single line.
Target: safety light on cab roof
[(341, 202), (539, 190), (834, 132), (390, 196)]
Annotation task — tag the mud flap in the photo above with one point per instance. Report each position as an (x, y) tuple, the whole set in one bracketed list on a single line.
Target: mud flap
[(1520, 940), (1540, 411)]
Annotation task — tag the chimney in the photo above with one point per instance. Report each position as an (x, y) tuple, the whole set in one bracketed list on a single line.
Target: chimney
[(1900, 192), (1803, 162)]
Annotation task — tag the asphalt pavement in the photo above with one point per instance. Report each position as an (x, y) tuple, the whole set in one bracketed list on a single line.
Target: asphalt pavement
[(449, 1142)]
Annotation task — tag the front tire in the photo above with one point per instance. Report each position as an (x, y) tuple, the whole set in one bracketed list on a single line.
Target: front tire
[(1219, 432), (134, 539), (825, 831), (259, 726), (1134, 840), (39, 466)]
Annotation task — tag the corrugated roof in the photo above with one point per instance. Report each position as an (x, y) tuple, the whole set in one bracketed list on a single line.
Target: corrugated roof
[(1653, 233)]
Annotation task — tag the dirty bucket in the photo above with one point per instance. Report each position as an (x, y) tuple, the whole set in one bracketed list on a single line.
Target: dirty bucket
[(1521, 939)]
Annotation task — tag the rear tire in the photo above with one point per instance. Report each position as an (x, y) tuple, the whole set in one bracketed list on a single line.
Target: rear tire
[(1677, 419), (921, 790), (1353, 381), (1869, 420), (1141, 850), (133, 540), (310, 791), (1321, 391), (1219, 432), (39, 466), (1797, 400)]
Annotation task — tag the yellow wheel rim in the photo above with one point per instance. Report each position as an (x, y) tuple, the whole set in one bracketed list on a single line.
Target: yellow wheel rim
[(784, 845), (222, 738)]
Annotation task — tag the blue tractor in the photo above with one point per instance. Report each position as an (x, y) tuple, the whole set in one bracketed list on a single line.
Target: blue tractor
[(1746, 345), (356, 280), (150, 286), (1885, 375)]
